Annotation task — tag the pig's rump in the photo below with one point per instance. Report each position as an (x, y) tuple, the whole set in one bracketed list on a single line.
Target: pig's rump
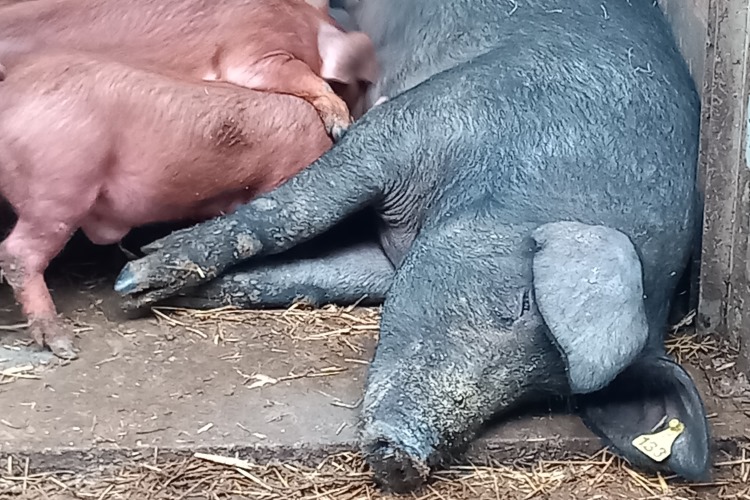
[(284, 46), (99, 145)]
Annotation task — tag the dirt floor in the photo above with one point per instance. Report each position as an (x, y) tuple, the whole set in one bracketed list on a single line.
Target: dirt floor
[(281, 391)]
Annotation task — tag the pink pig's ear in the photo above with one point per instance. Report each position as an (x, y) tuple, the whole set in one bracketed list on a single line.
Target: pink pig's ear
[(347, 57), (319, 4)]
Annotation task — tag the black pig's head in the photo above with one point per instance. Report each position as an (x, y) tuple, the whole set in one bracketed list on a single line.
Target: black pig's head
[(475, 325)]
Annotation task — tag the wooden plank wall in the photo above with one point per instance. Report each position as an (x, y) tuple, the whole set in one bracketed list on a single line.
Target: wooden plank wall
[(714, 37), (725, 261)]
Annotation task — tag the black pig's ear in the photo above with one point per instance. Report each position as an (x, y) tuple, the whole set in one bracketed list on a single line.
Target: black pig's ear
[(642, 401), (589, 290)]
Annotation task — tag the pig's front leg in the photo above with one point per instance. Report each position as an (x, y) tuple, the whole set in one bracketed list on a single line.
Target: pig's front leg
[(359, 273), (283, 74), (310, 203), (24, 257)]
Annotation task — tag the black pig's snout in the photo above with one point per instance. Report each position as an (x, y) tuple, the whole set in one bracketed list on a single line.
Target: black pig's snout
[(394, 468)]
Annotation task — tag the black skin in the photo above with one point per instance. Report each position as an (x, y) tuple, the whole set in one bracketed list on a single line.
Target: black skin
[(533, 178)]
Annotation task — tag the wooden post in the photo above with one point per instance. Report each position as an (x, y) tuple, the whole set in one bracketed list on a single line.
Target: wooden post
[(725, 175)]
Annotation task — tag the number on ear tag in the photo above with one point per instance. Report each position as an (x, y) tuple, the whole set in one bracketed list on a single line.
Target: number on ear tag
[(658, 446)]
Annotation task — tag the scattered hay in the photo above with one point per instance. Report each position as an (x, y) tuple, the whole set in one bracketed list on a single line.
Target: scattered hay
[(346, 477), (329, 321), (15, 327), (687, 346), (333, 321), (685, 322), (262, 380), (18, 372)]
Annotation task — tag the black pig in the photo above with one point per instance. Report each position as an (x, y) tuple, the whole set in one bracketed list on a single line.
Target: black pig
[(533, 173)]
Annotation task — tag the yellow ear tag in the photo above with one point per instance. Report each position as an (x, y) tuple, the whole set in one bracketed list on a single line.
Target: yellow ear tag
[(658, 446)]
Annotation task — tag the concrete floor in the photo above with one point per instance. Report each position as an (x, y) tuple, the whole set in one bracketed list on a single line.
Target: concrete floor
[(150, 386)]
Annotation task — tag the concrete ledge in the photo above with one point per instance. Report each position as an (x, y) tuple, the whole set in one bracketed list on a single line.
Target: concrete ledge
[(146, 386)]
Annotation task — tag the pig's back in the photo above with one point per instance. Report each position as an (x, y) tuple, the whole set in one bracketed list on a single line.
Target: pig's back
[(169, 33)]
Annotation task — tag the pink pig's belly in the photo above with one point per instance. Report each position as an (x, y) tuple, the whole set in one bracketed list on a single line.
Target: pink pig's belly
[(113, 217)]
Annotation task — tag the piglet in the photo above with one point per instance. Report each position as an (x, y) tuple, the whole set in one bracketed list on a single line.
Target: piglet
[(87, 142), (285, 46)]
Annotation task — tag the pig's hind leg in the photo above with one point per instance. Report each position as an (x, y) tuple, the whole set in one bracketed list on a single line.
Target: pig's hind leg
[(285, 75), (360, 273), (24, 257)]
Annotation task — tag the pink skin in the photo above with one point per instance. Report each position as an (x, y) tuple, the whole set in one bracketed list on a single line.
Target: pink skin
[(319, 4), (90, 143), (282, 46)]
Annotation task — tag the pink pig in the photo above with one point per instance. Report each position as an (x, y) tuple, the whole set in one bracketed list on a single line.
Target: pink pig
[(91, 143), (284, 46)]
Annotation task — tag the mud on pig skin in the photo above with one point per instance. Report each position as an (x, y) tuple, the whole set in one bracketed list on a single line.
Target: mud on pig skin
[(95, 144), (286, 46), (534, 177)]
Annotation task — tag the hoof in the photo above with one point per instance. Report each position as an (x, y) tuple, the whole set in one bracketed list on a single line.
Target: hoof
[(125, 282), (395, 469), (336, 122), (132, 309), (50, 332), (334, 113), (338, 131), (63, 348)]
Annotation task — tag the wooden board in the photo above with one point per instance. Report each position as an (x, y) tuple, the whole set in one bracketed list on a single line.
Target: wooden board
[(725, 260)]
